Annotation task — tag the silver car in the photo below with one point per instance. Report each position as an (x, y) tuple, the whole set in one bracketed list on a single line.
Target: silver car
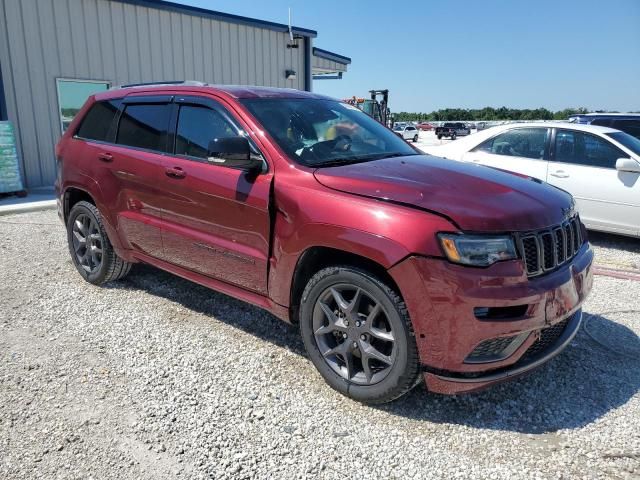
[(407, 131)]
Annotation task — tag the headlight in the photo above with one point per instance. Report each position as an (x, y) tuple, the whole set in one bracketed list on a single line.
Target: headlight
[(477, 250)]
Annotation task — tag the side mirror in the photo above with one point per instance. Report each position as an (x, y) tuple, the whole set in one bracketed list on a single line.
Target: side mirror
[(627, 165), (234, 152)]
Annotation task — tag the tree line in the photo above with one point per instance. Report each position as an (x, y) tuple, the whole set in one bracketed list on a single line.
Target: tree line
[(489, 113)]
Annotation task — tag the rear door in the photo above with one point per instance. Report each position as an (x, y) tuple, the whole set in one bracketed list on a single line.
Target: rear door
[(216, 220), (521, 150), (585, 165), (133, 168)]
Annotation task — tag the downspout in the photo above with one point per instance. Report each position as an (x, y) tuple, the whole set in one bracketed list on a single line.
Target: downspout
[(3, 101), (308, 80)]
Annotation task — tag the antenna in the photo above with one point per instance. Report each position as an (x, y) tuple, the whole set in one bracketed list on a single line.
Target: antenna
[(290, 30)]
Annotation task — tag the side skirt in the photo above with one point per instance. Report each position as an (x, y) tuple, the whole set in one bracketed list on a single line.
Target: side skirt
[(233, 291)]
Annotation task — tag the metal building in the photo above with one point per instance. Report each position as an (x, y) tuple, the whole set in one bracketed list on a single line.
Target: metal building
[(54, 53)]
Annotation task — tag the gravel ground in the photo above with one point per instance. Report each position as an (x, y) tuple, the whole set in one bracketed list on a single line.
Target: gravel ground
[(155, 377)]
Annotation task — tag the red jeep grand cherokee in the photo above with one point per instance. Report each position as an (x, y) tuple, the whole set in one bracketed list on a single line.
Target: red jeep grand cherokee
[(395, 265)]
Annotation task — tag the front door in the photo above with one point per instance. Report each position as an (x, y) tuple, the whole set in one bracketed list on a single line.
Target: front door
[(585, 165), (521, 150), (216, 220)]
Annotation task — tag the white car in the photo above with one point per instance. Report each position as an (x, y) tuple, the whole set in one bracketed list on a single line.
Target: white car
[(599, 166), (406, 131)]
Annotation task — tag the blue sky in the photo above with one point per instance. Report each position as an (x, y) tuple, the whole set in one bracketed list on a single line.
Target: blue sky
[(435, 54)]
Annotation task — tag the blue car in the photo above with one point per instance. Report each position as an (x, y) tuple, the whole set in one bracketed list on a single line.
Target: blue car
[(627, 122)]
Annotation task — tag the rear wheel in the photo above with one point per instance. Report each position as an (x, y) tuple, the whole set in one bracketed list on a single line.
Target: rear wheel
[(439, 137), (358, 334), (415, 138), (453, 136), (89, 246)]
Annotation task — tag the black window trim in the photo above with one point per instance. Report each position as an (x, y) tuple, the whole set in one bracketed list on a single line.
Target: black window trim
[(547, 144), (552, 157), (144, 100), (216, 106), (113, 127), (174, 101)]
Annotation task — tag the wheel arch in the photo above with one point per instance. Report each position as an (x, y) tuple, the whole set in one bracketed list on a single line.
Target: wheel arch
[(315, 258), (73, 195)]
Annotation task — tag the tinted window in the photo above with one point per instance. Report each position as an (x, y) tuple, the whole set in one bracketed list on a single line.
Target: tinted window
[(97, 121), (144, 126), (603, 122), (519, 142), (632, 127), (585, 149), (197, 126)]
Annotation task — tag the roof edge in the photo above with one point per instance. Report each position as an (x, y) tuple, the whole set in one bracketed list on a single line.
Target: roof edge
[(326, 54), (221, 16)]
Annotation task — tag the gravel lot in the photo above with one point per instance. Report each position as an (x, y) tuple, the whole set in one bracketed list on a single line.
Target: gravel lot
[(155, 377)]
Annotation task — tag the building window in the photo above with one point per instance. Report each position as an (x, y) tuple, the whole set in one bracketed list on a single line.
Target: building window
[(72, 95)]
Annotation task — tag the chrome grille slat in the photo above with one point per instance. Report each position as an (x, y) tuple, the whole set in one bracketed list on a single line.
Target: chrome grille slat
[(547, 249)]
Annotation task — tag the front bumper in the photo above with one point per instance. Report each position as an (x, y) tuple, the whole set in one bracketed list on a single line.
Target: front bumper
[(448, 305)]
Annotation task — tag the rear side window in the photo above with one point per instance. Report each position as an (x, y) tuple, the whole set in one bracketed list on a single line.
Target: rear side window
[(98, 120), (585, 149), (519, 142), (603, 122), (145, 126), (197, 126), (632, 127)]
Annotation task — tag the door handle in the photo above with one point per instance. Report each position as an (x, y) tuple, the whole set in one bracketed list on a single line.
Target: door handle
[(559, 174), (175, 172), (105, 157)]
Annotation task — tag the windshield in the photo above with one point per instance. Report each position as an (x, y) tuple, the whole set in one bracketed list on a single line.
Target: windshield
[(632, 143), (397, 128), (318, 132)]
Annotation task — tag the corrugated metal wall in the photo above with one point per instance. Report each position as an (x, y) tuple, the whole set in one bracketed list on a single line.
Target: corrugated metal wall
[(323, 65), (41, 40)]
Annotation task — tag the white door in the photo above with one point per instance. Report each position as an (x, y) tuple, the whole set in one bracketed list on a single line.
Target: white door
[(521, 150), (585, 165)]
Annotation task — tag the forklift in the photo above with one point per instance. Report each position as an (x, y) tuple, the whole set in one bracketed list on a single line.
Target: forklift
[(379, 110)]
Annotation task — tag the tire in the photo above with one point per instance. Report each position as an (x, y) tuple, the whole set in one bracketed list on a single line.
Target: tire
[(453, 136), (415, 139), (96, 265), (439, 137), (384, 341)]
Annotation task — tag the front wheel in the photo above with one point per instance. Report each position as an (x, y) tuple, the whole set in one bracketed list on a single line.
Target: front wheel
[(358, 334), (439, 137), (415, 138), (453, 136)]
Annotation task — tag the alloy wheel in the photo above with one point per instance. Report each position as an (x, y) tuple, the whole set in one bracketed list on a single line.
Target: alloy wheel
[(354, 334), (87, 243)]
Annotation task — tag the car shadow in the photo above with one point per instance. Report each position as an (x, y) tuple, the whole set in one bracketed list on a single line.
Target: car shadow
[(597, 373), (613, 241)]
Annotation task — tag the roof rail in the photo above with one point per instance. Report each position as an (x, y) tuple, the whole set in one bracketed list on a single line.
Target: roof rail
[(193, 83)]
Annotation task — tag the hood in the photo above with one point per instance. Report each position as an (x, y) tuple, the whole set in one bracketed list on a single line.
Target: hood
[(474, 197)]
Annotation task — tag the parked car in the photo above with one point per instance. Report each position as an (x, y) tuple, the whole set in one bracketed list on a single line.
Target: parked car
[(599, 166), (396, 266), (425, 126), (452, 130), (407, 132), (626, 122)]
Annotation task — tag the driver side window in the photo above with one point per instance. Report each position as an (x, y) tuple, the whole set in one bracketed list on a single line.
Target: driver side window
[(197, 126)]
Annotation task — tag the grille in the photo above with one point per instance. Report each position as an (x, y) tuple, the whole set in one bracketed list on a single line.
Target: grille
[(547, 249), (490, 350), (548, 336)]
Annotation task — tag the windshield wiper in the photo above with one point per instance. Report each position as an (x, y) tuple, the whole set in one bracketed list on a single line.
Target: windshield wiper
[(340, 161), (363, 158)]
